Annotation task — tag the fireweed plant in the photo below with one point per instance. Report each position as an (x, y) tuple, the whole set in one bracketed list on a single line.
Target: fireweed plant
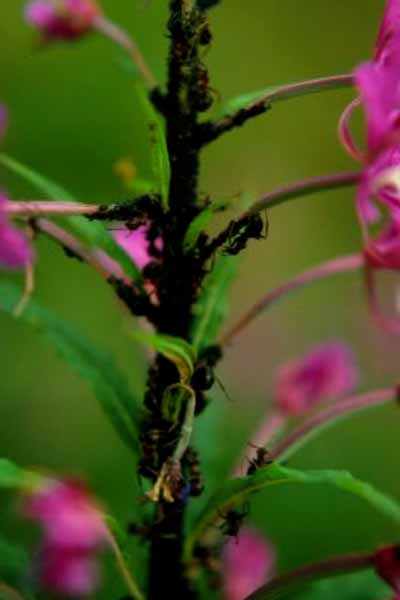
[(155, 253)]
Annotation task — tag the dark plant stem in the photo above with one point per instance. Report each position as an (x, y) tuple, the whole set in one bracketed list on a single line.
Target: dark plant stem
[(319, 570)]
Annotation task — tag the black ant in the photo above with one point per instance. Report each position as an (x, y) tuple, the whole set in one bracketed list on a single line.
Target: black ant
[(233, 520), (261, 459)]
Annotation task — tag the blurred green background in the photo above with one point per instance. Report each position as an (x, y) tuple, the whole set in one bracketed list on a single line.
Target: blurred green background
[(73, 114)]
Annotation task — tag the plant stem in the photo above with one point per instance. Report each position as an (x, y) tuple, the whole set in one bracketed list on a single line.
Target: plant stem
[(121, 38), (131, 584), (30, 208), (322, 271), (300, 188), (320, 570), (314, 425), (212, 130)]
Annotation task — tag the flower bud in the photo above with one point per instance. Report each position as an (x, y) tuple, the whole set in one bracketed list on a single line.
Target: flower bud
[(62, 19)]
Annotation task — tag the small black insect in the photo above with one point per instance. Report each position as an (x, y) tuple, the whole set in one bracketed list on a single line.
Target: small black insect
[(261, 459), (241, 231), (233, 520)]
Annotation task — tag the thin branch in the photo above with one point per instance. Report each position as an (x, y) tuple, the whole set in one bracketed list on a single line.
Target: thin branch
[(320, 570), (131, 584), (121, 38), (30, 208), (99, 260), (210, 131), (303, 187), (328, 417), (326, 269)]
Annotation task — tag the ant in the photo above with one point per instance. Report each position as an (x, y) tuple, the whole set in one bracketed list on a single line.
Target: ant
[(233, 520), (261, 459)]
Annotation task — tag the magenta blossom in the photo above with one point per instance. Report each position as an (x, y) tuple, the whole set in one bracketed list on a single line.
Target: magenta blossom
[(328, 370), (136, 245), (15, 251), (384, 251), (63, 19), (73, 532), (389, 30), (247, 563)]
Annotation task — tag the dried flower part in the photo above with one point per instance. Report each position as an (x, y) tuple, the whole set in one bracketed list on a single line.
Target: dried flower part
[(248, 561), (327, 371), (73, 532), (387, 565), (15, 251), (62, 19), (136, 244)]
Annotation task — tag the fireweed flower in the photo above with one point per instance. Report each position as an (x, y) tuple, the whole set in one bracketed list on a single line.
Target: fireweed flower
[(136, 245), (388, 31), (327, 371), (383, 252), (73, 532), (247, 562), (62, 19), (387, 565), (15, 251)]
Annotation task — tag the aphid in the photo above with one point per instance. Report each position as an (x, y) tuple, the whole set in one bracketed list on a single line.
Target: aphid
[(233, 520), (194, 472), (240, 232), (260, 460)]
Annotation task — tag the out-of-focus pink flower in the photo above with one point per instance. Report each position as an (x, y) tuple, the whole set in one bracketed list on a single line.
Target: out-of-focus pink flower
[(3, 120), (384, 251), (387, 565), (73, 532), (62, 19), (248, 562), (15, 251), (136, 245), (327, 371), (389, 30)]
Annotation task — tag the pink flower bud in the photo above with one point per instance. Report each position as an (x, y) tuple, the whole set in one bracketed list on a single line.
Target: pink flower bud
[(15, 251), (247, 563), (63, 19), (328, 370), (136, 245), (73, 532), (387, 565)]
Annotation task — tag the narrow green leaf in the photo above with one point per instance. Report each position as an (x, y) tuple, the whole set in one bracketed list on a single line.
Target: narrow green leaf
[(159, 150), (200, 222), (240, 102), (237, 491), (92, 232), (211, 308), (364, 585), (175, 349), (11, 476), (96, 366)]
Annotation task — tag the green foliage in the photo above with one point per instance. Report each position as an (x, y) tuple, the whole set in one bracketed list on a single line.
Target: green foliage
[(175, 349), (14, 562), (11, 476), (159, 151), (200, 223), (92, 232), (96, 366), (244, 100), (236, 491), (211, 308)]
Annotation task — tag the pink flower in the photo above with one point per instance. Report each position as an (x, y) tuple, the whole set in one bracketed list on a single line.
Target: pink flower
[(247, 563), (384, 251), (387, 565), (65, 19), (73, 532), (15, 251), (136, 245), (328, 370), (389, 29), (3, 120)]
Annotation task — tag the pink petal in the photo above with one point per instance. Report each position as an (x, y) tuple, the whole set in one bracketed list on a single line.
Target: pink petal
[(68, 573), (71, 19), (247, 563), (15, 250), (136, 245), (389, 28), (327, 371), (384, 251)]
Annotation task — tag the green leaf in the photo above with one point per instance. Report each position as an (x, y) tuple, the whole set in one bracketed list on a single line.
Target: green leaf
[(11, 476), (364, 585), (96, 366), (159, 150), (14, 561), (199, 223), (92, 232), (211, 308), (175, 349), (236, 491), (244, 100)]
